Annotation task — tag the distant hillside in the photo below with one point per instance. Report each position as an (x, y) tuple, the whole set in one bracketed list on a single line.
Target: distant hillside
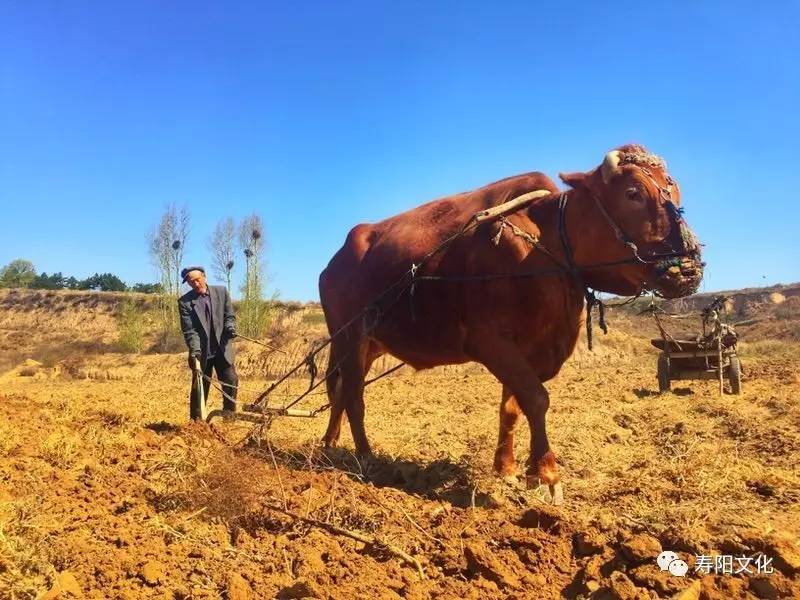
[(756, 313), (56, 326), (742, 302), (53, 325)]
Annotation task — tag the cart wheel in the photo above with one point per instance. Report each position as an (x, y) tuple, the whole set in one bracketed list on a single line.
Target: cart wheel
[(663, 373), (735, 375)]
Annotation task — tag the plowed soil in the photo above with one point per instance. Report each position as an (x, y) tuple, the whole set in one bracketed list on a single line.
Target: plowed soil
[(107, 491)]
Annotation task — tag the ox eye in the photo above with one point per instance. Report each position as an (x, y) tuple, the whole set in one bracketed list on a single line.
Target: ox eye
[(633, 193)]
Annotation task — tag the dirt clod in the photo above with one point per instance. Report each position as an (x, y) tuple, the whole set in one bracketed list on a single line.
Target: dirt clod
[(65, 586), (619, 587), (650, 576), (588, 542), (542, 516), (692, 592), (764, 588), (237, 588), (481, 561), (302, 588), (785, 550), (152, 573), (641, 548)]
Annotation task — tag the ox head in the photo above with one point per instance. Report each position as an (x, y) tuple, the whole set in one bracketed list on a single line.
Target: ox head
[(631, 208)]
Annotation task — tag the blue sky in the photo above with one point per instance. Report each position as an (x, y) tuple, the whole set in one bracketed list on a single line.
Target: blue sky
[(321, 115)]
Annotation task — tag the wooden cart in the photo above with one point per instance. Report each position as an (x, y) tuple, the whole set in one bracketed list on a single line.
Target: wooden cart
[(693, 359)]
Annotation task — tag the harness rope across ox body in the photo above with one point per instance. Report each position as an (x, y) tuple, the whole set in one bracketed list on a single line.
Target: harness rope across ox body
[(410, 279)]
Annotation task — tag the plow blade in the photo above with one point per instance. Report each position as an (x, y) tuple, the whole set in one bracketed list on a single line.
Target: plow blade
[(256, 414)]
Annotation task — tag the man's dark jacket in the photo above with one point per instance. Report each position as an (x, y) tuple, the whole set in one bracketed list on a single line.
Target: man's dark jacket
[(194, 325)]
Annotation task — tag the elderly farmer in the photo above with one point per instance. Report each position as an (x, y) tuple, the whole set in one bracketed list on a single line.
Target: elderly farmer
[(209, 326)]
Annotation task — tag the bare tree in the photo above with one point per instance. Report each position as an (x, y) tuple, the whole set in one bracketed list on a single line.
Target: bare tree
[(254, 312), (220, 244), (166, 244)]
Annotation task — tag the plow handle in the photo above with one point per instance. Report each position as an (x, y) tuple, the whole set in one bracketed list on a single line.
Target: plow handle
[(198, 399)]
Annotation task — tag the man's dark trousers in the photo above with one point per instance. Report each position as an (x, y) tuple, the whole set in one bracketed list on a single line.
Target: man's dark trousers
[(226, 375)]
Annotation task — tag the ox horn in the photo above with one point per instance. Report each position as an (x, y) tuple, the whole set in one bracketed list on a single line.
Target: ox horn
[(610, 165)]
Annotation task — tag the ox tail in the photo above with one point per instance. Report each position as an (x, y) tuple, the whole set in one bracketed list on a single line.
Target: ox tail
[(333, 375)]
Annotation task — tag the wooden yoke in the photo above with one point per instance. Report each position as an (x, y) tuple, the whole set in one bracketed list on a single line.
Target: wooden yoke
[(510, 206)]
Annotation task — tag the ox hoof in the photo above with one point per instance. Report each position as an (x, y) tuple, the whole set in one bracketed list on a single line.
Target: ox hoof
[(511, 480), (557, 494), (552, 494)]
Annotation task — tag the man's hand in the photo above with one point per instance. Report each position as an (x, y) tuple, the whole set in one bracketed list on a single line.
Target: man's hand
[(194, 360), (231, 332)]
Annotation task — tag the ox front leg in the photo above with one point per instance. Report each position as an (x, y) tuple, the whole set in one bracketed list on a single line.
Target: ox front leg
[(521, 384), (505, 464), (542, 468)]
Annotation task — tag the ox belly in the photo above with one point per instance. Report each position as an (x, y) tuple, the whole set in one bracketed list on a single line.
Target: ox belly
[(545, 328)]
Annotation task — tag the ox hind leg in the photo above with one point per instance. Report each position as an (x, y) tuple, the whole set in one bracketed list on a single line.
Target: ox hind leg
[(348, 365), (523, 391), (357, 365), (346, 391), (333, 385)]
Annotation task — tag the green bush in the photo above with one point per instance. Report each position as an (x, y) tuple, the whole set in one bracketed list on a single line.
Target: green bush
[(253, 317), (17, 274), (130, 327), (104, 282), (314, 317)]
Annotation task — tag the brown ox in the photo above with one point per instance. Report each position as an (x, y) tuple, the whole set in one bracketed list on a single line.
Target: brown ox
[(496, 296)]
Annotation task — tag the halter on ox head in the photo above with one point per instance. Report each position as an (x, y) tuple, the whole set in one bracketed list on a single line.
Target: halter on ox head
[(641, 227)]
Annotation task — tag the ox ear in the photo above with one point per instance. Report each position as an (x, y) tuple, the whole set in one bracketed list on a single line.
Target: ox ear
[(574, 180)]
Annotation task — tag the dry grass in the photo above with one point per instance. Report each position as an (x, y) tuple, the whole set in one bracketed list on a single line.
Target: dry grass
[(789, 309), (9, 439), (768, 349), (24, 570), (170, 475), (230, 487), (61, 449)]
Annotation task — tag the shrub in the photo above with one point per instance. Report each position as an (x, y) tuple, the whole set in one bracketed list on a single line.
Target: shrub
[(254, 317), (104, 282), (314, 317), (130, 327), (147, 288), (18, 273), (789, 309)]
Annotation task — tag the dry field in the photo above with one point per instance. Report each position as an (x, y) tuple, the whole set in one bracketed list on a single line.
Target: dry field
[(107, 492)]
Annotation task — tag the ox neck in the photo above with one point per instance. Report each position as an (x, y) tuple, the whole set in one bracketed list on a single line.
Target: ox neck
[(584, 231)]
